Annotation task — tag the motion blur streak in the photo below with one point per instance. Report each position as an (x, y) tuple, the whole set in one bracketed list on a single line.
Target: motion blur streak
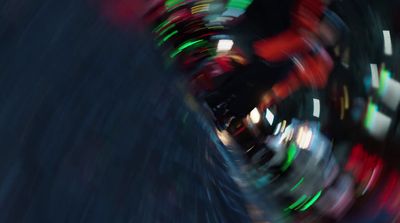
[(186, 111), (93, 129)]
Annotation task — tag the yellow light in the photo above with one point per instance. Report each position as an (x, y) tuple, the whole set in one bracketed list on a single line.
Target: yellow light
[(223, 137), (346, 97), (200, 8)]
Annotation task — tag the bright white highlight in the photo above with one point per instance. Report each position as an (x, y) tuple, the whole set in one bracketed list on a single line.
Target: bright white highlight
[(224, 45), (269, 116), (387, 43), (303, 138), (317, 107), (374, 76), (255, 116)]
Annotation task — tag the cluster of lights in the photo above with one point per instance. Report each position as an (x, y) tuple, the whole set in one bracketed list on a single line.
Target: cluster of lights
[(255, 116)]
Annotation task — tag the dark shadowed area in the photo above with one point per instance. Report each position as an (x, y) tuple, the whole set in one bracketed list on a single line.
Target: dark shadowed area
[(94, 129)]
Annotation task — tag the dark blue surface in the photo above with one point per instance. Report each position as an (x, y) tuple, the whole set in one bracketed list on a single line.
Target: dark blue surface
[(93, 129)]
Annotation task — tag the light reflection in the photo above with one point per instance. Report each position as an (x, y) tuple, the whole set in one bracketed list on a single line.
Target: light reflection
[(304, 137), (387, 43)]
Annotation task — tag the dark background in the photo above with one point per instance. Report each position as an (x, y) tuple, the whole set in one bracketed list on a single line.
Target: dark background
[(94, 129)]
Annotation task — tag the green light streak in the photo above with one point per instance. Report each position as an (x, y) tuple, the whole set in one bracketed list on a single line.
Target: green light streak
[(372, 109), (162, 25), (189, 43), (170, 35), (383, 80), (291, 153), (297, 203), (171, 3), (239, 4), (186, 45), (166, 30), (297, 185), (311, 201), (167, 37)]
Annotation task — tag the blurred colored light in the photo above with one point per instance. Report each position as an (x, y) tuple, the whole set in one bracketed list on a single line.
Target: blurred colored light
[(269, 116), (223, 137), (240, 4), (297, 185), (224, 45), (291, 153), (162, 25), (387, 43), (167, 37), (166, 30), (371, 111), (311, 201), (283, 126), (383, 81), (171, 3), (390, 95), (200, 8), (297, 203), (342, 108), (380, 125), (189, 43), (186, 45), (374, 76), (231, 13), (316, 106), (371, 180), (346, 97), (255, 116), (303, 138), (278, 128)]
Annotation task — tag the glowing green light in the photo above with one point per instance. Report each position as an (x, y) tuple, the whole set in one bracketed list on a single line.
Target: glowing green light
[(167, 37), (297, 185), (372, 109), (311, 201), (239, 4), (383, 80), (186, 45), (166, 30), (297, 203), (291, 153), (162, 25), (171, 3), (189, 43)]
